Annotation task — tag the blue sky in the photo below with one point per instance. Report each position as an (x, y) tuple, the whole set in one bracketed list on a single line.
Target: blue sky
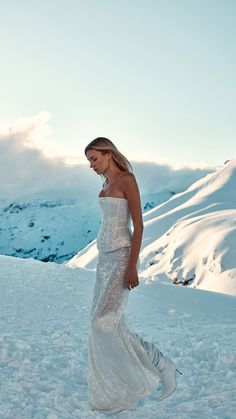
[(156, 77)]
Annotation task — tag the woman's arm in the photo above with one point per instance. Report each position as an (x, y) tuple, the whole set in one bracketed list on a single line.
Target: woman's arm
[(133, 197)]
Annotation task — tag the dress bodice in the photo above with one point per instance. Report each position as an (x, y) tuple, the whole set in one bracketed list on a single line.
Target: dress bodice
[(115, 229)]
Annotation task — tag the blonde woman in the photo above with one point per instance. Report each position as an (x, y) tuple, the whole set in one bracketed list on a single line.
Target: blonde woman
[(123, 368)]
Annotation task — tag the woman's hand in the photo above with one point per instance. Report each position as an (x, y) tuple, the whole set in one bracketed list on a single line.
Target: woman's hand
[(131, 278)]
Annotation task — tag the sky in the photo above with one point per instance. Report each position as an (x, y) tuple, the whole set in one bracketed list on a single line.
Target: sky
[(157, 77)]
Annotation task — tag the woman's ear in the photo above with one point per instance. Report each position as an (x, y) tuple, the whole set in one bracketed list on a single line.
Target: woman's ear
[(110, 155)]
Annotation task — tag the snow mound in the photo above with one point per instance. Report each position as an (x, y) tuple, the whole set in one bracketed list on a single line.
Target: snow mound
[(189, 239)]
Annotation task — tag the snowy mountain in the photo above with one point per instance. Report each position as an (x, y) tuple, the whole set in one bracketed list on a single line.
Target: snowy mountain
[(53, 220), (44, 321), (49, 230), (53, 230), (189, 239)]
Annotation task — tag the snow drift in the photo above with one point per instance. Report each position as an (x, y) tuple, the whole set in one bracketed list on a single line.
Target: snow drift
[(191, 238)]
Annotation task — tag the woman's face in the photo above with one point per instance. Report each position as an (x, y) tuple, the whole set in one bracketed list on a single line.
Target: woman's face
[(98, 161)]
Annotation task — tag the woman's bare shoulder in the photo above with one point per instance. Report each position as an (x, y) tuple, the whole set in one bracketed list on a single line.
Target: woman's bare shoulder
[(129, 183), (128, 176)]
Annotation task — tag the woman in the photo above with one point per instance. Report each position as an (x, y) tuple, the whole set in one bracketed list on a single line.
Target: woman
[(123, 368)]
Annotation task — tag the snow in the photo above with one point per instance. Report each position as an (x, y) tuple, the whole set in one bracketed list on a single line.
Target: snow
[(44, 321), (189, 239), (49, 230)]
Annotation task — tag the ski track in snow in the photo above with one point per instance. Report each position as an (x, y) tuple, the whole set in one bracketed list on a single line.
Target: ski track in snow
[(44, 320)]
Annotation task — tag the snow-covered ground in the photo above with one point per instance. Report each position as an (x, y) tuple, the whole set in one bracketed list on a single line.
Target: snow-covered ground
[(44, 320), (191, 238)]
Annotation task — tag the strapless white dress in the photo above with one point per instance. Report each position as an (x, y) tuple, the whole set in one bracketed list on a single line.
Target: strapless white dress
[(122, 366)]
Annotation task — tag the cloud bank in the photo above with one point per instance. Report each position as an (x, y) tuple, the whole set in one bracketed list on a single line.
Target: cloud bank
[(26, 171)]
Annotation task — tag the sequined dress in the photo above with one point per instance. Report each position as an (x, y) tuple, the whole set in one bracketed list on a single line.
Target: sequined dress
[(122, 366)]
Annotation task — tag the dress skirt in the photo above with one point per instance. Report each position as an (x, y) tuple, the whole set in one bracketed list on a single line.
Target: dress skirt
[(121, 365)]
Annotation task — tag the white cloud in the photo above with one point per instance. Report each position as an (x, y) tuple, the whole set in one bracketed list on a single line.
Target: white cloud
[(30, 131), (26, 170)]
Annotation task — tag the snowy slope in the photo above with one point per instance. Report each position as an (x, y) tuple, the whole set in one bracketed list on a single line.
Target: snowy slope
[(44, 320), (190, 238), (55, 224), (54, 229)]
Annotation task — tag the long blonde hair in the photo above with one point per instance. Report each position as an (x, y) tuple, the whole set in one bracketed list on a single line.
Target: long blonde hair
[(104, 145)]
